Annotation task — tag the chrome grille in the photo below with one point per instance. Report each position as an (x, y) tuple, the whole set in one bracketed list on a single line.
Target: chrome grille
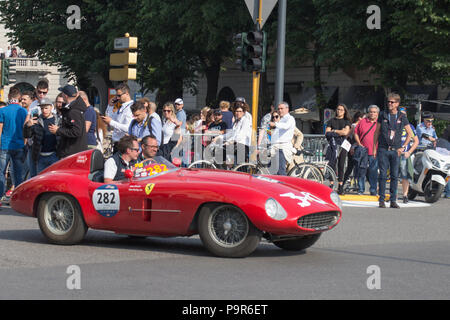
[(318, 221)]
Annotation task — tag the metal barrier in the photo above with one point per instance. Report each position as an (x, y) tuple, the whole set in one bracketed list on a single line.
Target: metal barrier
[(193, 146), (317, 144)]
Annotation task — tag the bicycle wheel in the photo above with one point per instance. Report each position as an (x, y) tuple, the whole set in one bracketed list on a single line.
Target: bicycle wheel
[(202, 164), (307, 171), (330, 178), (251, 168)]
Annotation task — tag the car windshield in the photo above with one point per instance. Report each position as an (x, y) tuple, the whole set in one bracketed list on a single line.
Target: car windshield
[(153, 167)]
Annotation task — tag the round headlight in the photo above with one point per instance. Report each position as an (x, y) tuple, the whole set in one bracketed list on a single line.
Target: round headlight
[(275, 210), (336, 199)]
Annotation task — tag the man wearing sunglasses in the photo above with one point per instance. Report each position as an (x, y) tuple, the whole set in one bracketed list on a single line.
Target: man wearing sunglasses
[(124, 159), (120, 119), (390, 147), (40, 92)]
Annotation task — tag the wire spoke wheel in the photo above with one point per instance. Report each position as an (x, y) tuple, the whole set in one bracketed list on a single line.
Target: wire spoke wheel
[(228, 227), (59, 215)]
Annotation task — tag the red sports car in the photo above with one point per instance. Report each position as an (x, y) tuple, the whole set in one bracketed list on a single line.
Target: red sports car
[(230, 211)]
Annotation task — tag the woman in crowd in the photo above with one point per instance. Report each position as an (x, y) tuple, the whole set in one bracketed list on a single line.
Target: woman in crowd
[(171, 130), (337, 130)]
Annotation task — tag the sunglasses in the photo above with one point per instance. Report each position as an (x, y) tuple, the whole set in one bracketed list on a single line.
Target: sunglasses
[(392, 101), (42, 92), (135, 149), (167, 110)]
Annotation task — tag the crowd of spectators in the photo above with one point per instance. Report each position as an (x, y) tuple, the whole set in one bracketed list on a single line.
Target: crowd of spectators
[(37, 131)]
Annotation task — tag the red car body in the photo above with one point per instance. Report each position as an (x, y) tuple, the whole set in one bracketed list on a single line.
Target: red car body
[(168, 203)]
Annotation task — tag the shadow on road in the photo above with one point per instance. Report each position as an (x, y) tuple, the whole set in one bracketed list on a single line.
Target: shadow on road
[(178, 245)]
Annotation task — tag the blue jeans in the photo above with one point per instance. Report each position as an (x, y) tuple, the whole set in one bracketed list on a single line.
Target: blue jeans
[(32, 165), (388, 160), (17, 158), (447, 190), (372, 174), (46, 161)]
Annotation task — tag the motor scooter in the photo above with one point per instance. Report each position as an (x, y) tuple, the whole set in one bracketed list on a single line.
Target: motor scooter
[(431, 172)]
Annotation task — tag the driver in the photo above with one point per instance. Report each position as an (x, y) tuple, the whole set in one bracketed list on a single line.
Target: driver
[(124, 159), (149, 145)]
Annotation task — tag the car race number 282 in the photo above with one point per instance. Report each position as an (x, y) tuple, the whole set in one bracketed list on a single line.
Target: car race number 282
[(106, 200)]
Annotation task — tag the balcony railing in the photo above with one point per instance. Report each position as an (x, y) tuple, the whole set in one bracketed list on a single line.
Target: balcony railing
[(30, 65)]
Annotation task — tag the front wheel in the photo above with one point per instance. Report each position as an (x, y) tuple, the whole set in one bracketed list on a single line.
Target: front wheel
[(251, 168), (226, 231), (433, 191), (60, 219), (298, 243)]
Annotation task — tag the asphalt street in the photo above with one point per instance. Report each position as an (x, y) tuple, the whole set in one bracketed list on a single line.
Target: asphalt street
[(372, 254)]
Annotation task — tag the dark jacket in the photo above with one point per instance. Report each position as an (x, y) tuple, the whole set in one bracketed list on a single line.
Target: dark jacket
[(37, 133), (73, 129)]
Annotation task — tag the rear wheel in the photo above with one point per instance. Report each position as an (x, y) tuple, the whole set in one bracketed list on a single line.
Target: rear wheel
[(297, 243), (60, 219), (226, 231)]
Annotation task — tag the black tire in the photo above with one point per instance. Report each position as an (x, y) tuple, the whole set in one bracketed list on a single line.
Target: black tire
[(214, 224), (60, 219), (298, 243), (432, 191), (412, 194)]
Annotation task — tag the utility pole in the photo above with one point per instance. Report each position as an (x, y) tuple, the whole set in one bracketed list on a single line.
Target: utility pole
[(281, 43)]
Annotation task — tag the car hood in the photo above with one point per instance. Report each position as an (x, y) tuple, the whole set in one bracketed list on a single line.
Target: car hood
[(297, 191)]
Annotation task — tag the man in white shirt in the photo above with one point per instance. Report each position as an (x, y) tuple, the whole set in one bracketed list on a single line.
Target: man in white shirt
[(282, 134), (119, 119), (240, 135)]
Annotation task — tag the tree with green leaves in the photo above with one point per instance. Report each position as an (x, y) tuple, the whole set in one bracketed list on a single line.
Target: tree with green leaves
[(410, 46)]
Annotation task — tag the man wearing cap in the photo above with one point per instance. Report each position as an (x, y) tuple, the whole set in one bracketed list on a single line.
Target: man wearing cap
[(43, 149), (12, 119), (426, 132), (72, 129), (180, 113)]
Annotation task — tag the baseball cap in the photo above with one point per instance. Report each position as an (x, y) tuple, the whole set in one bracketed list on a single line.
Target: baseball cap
[(179, 101), (45, 102), (69, 90), (240, 99), (217, 111)]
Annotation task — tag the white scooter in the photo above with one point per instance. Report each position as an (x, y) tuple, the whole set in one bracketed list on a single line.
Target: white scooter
[(431, 174)]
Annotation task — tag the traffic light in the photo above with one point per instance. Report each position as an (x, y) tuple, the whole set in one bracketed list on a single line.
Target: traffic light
[(251, 50), (7, 71), (241, 49), (257, 47)]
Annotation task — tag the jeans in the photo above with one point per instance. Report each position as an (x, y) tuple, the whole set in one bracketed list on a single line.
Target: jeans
[(46, 161), (281, 163), (447, 190), (32, 165), (17, 158), (372, 174), (388, 160)]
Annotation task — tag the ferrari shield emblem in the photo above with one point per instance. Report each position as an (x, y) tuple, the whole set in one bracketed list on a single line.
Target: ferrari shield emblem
[(148, 188)]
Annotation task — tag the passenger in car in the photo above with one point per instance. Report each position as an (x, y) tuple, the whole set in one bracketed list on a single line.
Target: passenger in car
[(149, 146)]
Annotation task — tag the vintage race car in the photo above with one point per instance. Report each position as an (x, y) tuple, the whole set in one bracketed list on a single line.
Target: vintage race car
[(230, 211)]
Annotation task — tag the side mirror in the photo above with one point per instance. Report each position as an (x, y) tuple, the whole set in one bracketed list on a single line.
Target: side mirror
[(176, 162), (129, 174)]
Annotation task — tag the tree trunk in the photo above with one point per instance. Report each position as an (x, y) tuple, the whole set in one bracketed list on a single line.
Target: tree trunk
[(212, 72)]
